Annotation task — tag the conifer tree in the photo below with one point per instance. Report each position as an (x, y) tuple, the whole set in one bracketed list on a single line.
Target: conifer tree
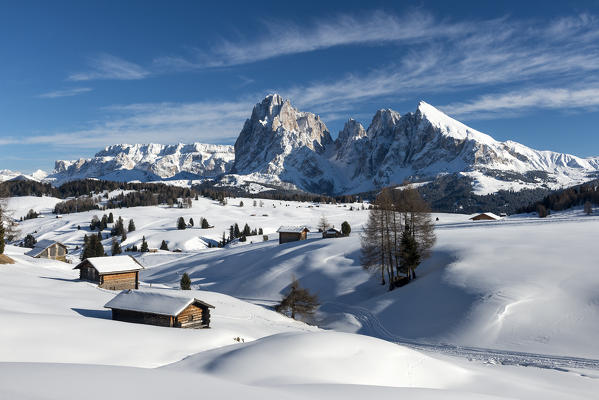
[(2, 243), (181, 223), (163, 245), (110, 218), (205, 224), (29, 241), (246, 230), (345, 228), (409, 257), (131, 226), (236, 232), (116, 247), (123, 236), (190, 221), (144, 245), (185, 282), (98, 250)]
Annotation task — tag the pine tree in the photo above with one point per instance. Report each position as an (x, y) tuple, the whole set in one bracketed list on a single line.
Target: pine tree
[(144, 245), (29, 241), (116, 247), (298, 301), (205, 224), (131, 226), (190, 221), (241, 204), (236, 232), (98, 249), (164, 246), (246, 230), (123, 236), (345, 228), (110, 218), (409, 257), (181, 223), (2, 243), (185, 282)]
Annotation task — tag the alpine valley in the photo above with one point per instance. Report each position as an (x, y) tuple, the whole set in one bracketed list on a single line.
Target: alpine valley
[(280, 145)]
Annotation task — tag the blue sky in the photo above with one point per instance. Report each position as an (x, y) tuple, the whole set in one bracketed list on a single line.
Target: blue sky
[(77, 76)]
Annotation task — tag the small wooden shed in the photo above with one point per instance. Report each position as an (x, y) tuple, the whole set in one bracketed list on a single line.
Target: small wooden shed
[(331, 233), (153, 308), (487, 216), (292, 233), (113, 273), (49, 249)]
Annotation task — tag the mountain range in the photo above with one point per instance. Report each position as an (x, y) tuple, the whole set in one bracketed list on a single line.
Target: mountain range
[(279, 144)]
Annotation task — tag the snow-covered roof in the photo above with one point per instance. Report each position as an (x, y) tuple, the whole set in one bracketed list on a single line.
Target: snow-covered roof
[(488, 214), (333, 230), (106, 265), (41, 246), (152, 302), (292, 229)]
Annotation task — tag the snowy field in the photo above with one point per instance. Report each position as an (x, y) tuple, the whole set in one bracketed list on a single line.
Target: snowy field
[(490, 292)]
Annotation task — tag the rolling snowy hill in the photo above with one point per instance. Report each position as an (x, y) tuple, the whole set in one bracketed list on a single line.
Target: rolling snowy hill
[(505, 285)]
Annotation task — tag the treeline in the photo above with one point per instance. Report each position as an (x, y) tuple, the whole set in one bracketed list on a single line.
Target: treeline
[(580, 195), (221, 193), (241, 234), (87, 187)]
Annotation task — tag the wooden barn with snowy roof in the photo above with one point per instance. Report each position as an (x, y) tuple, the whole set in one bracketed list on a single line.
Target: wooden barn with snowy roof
[(49, 249), (487, 216), (292, 233), (113, 273), (150, 307)]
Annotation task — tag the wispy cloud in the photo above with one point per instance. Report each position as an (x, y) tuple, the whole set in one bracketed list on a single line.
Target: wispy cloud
[(64, 93), (208, 122), (106, 66), (495, 53), (516, 102), (285, 38)]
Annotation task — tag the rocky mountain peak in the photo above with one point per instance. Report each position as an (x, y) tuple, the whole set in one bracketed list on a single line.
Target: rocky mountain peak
[(352, 130)]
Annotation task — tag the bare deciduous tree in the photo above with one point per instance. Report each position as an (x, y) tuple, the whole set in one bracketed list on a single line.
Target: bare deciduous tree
[(395, 214)]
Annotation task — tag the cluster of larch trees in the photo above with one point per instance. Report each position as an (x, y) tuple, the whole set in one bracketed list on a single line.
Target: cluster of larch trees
[(398, 235)]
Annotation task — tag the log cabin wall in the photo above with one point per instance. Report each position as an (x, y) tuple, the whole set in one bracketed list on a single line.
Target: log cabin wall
[(120, 281), (286, 237), (191, 317), (88, 273), (141, 317)]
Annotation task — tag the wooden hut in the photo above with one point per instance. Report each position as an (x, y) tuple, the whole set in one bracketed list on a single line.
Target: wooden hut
[(487, 216), (153, 308), (49, 249), (292, 233), (113, 273), (331, 233)]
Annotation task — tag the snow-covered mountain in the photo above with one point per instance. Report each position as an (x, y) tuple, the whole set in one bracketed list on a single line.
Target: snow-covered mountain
[(149, 162), (8, 175), (281, 145)]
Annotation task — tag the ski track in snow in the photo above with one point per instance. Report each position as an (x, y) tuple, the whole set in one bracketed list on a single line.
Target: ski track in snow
[(492, 356)]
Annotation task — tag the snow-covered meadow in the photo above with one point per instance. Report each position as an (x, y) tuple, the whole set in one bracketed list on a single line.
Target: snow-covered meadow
[(512, 286)]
